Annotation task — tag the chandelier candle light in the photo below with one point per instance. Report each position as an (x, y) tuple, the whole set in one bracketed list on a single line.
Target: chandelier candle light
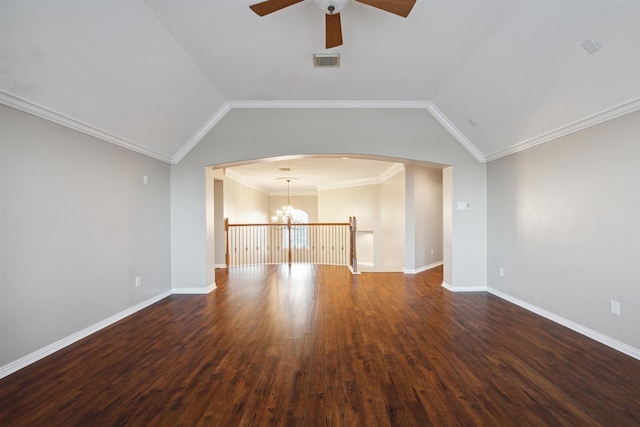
[(286, 214)]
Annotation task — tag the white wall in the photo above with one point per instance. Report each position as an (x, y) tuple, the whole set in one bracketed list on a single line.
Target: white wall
[(309, 204), (77, 226), (250, 134), (564, 223), (337, 205), (218, 219), (379, 210), (390, 239), (245, 205)]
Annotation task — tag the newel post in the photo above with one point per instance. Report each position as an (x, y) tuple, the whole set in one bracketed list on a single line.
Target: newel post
[(289, 238), (353, 227), (226, 234)]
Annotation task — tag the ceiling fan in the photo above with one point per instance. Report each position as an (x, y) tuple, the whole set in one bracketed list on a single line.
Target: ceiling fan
[(332, 10)]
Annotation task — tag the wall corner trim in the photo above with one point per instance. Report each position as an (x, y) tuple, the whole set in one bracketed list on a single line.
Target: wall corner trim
[(23, 362), (590, 333)]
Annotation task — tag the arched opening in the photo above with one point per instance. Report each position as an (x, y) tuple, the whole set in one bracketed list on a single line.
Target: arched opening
[(401, 231)]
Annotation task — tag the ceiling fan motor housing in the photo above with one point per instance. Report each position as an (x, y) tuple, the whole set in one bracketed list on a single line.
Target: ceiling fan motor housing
[(331, 7)]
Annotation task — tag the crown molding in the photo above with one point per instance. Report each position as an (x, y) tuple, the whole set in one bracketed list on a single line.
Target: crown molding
[(201, 133), (424, 105), (24, 105), (228, 173), (294, 193), (391, 171), (241, 179), (45, 113), (601, 117), (330, 104), (455, 132), (348, 184)]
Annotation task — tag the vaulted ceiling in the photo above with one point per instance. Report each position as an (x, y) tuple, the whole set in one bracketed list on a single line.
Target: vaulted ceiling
[(155, 76)]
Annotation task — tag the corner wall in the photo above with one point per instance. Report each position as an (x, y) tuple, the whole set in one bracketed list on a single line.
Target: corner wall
[(424, 218), (78, 225), (563, 223)]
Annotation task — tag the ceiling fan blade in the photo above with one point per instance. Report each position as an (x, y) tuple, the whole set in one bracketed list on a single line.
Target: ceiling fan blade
[(270, 6), (398, 7), (333, 31)]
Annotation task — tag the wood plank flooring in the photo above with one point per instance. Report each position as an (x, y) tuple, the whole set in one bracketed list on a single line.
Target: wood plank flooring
[(315, 346)]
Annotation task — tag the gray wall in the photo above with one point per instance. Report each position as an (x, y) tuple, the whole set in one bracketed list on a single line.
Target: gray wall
[(424, 217), (77, 226), (564, 223)]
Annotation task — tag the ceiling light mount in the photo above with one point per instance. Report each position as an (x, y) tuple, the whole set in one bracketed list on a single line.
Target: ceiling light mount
[(331, 7)]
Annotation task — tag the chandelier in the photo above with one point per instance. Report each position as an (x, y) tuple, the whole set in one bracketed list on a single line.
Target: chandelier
[(285, 215)]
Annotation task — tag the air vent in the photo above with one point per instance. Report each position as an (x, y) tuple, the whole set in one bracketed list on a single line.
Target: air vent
[(326, 59)]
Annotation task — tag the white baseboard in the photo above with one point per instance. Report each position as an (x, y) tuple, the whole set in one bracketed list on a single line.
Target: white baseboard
[(193, 291), (590, 333), (601, 338), (64, 342), (423, 268), (464, 288)]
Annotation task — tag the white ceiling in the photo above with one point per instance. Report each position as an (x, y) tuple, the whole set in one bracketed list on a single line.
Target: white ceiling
[(155, 75)]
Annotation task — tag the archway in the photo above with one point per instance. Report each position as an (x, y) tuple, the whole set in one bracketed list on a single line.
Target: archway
[(393, 238)]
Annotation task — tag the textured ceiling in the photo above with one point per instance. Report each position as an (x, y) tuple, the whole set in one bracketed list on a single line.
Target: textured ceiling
[(155, 75), (311, 173)]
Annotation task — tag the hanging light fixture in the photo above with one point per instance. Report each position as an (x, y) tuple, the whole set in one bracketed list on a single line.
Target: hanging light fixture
[(286, 214)]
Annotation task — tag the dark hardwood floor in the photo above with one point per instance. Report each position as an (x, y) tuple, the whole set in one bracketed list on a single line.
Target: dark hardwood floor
[(315, 346)]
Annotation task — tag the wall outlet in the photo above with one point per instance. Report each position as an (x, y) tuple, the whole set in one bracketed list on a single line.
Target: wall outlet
[(145, 179), (432, 251), (501, 271), (138, 281), (615, 307)]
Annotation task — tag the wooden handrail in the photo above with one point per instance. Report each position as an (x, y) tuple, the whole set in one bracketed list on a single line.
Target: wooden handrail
[(323, 242), (294, 224)]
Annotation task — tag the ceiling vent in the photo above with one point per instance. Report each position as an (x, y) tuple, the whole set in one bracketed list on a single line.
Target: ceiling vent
[(326, 59)]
